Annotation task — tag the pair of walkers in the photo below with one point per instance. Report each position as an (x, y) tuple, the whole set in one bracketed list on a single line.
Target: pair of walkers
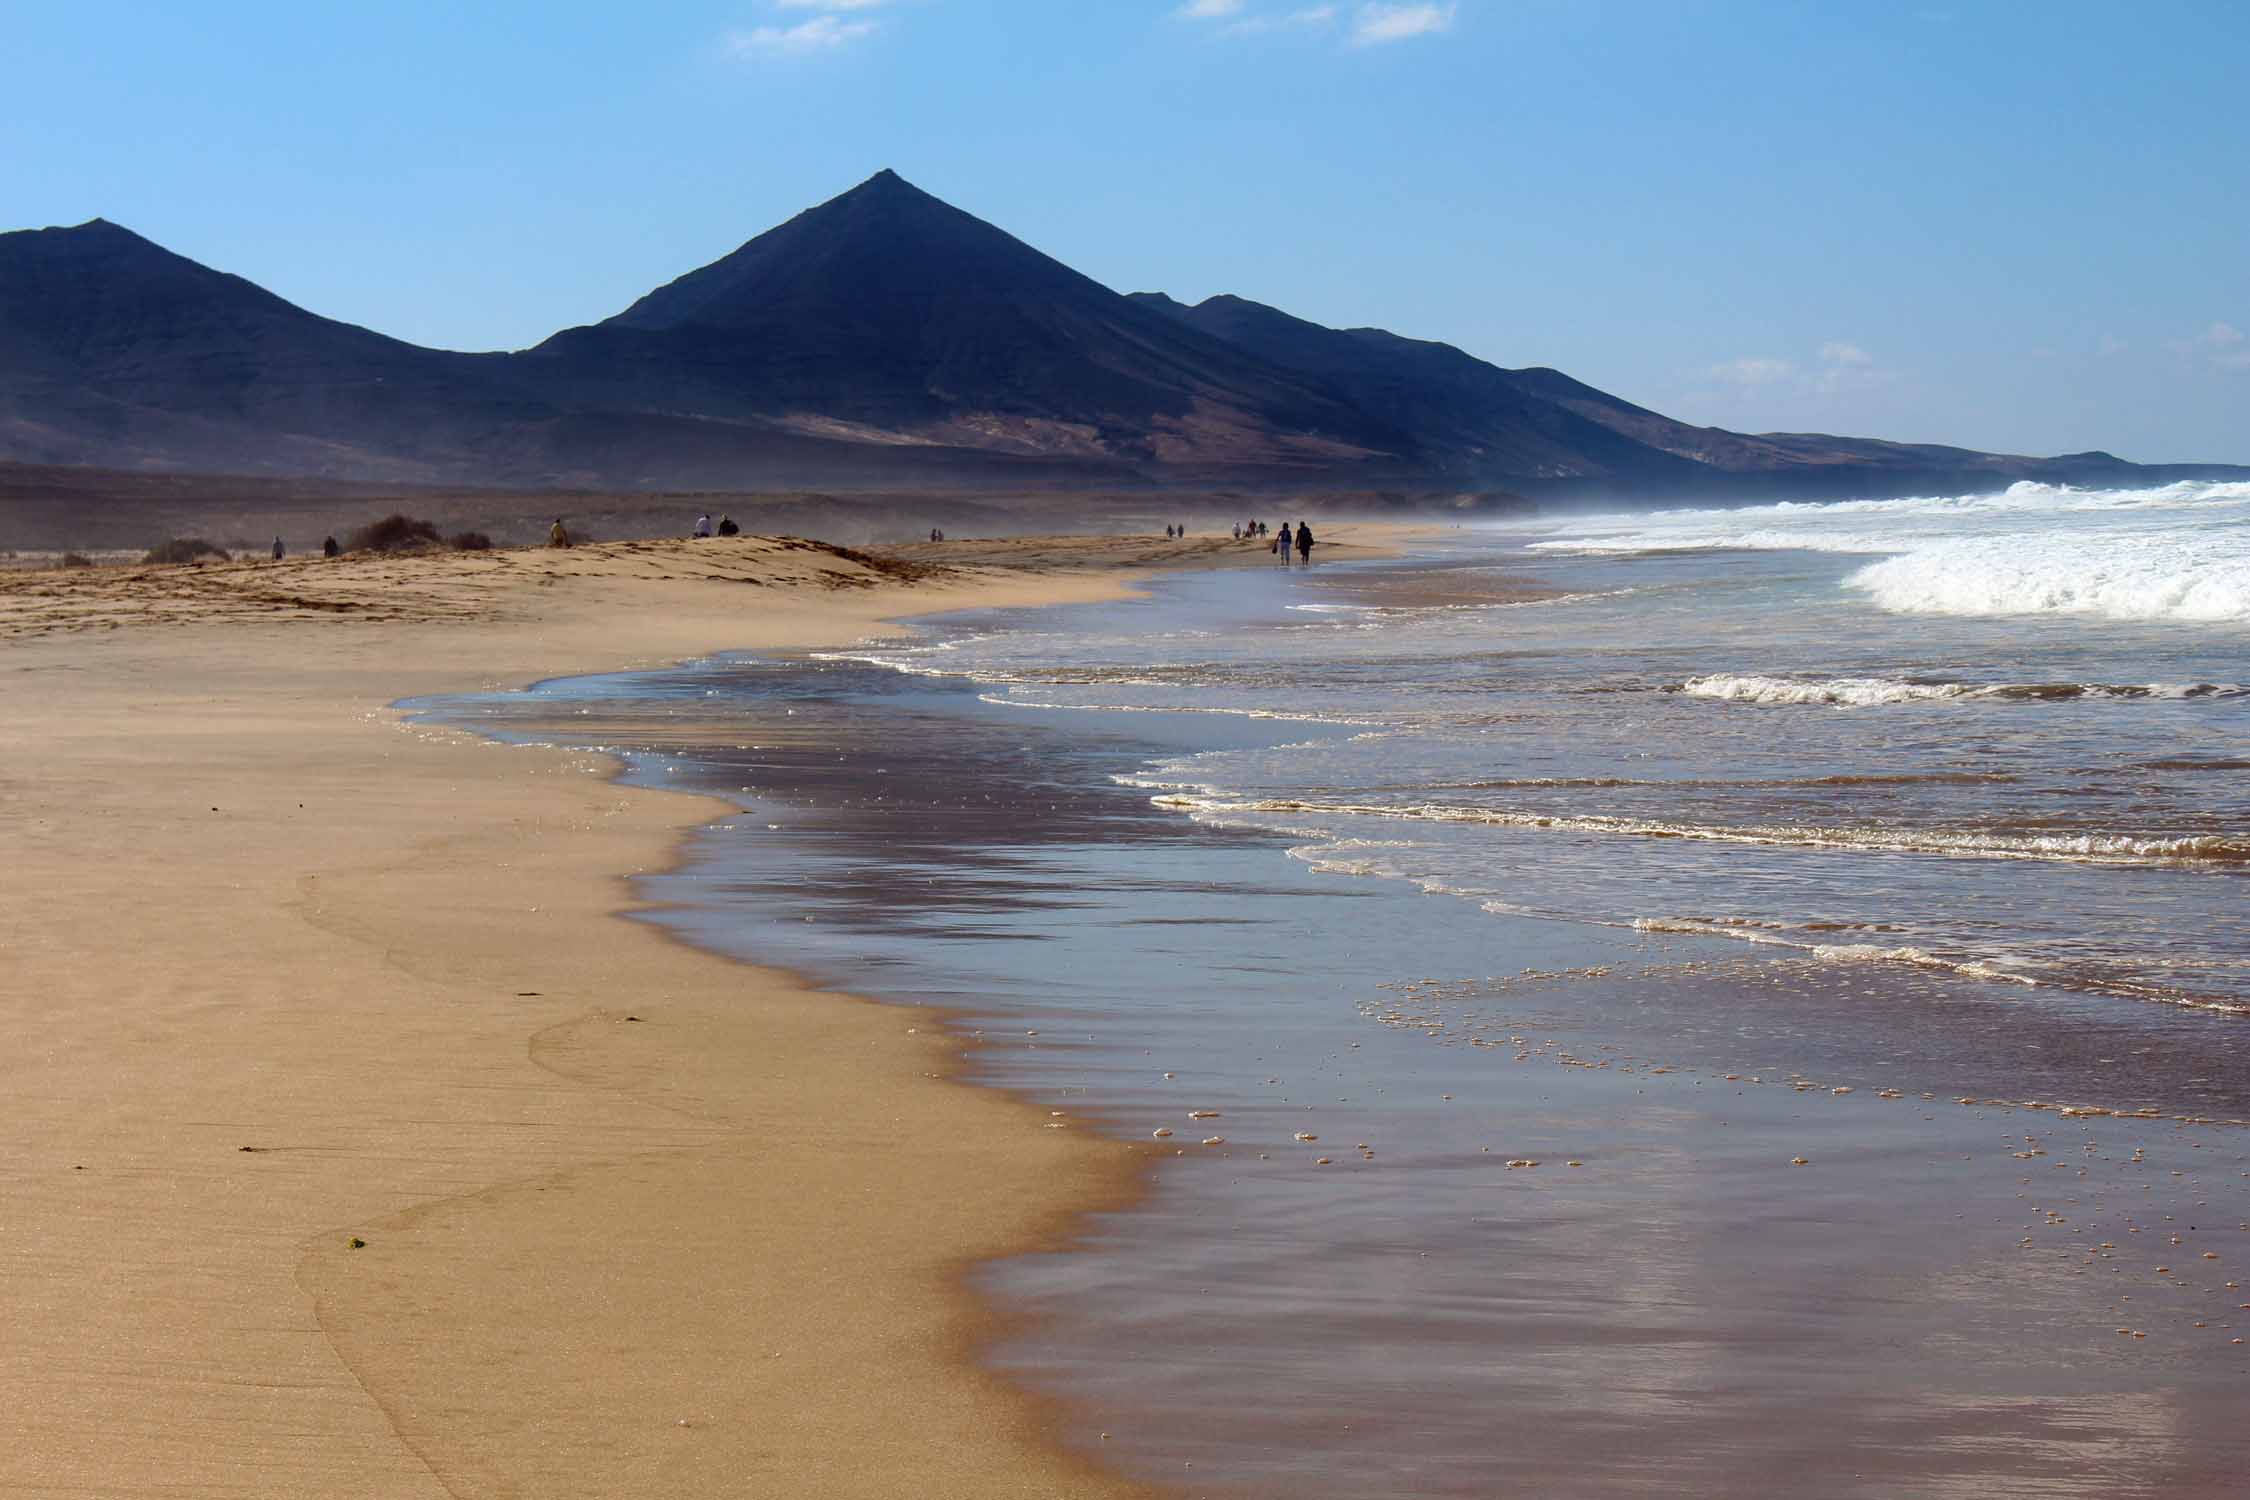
[(1302, 540)]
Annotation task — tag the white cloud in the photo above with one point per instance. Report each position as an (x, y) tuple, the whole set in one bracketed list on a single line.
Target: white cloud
[(822, 33), (1755, 370), (1375, 24), (1370, 22), (1311, 18), (2221, 343), (1839, 368)]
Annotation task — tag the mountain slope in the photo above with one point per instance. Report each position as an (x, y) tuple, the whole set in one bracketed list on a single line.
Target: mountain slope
[(109, 342), (890, 312), (1538, 428), (883, 338)]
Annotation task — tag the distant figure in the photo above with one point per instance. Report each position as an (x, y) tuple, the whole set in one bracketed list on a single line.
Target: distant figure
[(1180, 531), (328, 547), (1238, 531), (556, 536), (1167, 533), (703, 524), (1281, 544), (933, 533), (277, 549), (727, 527), (1304, 543)]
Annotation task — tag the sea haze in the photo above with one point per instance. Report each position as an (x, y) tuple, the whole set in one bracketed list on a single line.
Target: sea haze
[(1620, 1005)]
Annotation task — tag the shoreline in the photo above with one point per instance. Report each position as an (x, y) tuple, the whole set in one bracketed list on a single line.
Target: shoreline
[(334, 1024)]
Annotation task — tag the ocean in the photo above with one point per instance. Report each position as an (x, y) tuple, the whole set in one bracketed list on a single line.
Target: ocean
[(1745, 1000)]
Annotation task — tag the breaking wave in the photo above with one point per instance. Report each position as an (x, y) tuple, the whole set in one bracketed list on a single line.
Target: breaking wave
[(2173, 552), (2200, 577)]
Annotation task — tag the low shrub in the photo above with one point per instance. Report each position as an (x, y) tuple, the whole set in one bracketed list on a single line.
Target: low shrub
[(75, 560), (469, 541), (184, 549), (394, 533)]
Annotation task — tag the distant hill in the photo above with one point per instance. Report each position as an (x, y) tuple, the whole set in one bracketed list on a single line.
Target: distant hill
[(882, 339)]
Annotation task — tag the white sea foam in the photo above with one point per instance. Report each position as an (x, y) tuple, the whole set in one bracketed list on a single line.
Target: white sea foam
[(2191, 576), (1867, 692), (2209, 850), (1837, 953), (2171, 552), (1843, 692), (1003, 700)]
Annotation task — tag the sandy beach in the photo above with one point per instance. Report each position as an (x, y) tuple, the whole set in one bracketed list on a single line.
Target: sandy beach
[(355, 1146)]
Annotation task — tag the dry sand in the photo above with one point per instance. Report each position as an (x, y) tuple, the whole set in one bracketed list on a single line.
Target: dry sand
[(283, 972)]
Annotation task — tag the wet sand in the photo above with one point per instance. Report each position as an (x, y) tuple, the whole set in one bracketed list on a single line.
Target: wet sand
[(1584, 1212), (353, 1145)]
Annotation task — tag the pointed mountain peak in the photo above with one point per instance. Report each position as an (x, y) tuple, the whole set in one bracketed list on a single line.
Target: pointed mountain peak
[(93, 231), (95, 241), (885, 239)]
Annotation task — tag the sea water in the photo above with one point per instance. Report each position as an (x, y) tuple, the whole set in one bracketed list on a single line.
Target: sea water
[(1480, 940)]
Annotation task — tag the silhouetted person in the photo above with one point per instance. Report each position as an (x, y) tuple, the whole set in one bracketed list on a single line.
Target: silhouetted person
[(277, 549), (727, 527), (328, 547), (1304, 543)]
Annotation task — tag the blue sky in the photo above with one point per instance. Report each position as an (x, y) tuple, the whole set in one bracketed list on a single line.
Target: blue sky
[(2012, 226)]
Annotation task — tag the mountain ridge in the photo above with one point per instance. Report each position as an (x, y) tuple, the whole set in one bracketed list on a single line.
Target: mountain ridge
[(882, 335)]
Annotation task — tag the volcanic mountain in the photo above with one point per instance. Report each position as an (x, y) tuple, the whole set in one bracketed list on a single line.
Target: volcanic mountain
[(114, 350), (888, 316), (881, 338)]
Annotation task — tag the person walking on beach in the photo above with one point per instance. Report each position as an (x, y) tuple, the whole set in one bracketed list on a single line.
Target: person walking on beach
[(1304, 543), (277, 549), (328, 547), (556, 536), (1281, 544)]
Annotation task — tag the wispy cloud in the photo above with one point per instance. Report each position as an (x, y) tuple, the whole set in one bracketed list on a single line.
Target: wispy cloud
[(1310, 18), (1754, 369), (2224, 345), (1373, 25), (838, 23), (1840, 366), (1366, 25)]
